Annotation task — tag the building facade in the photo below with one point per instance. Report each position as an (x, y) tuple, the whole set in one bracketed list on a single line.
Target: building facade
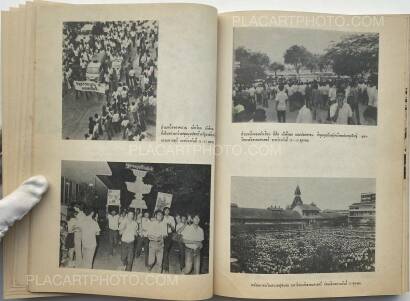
[(363, 213), (296, 214)]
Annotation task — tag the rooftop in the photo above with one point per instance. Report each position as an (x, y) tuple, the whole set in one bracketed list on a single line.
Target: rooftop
[(263, 214), (311, 207)]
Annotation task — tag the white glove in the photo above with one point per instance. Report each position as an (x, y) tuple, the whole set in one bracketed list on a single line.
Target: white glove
[(14, 206)]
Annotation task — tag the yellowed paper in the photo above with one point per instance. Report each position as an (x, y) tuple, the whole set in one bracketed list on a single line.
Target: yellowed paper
[(185, 97), (379, 156)]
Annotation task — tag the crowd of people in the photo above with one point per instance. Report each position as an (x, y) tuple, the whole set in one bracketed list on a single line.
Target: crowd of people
[(315, 101), (136, 233), (122, 57), (303, 251)]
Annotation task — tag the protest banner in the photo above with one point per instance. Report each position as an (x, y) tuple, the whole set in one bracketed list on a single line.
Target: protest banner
[(163, 200), (89, 86), (113, 197)]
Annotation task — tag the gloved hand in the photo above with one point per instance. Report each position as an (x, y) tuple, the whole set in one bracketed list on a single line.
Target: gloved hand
[(14, 206)]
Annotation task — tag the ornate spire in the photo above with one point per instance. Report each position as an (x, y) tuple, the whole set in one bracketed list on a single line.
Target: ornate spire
[(297, 200), (297, 190)]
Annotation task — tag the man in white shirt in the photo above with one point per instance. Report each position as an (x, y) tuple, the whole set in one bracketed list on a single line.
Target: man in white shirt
[(370, 113), (131, 75), (281, 104), (157, 230), (77, 235), (290, 88), (251, 92), (113, 223), (258, 93), (169, 222), (332, 94), (372, 94), (340, 112), (124, 95), (193, 236), (89, 230), (152, 100), (134, 111), (128, 228), (181, 223), (142, 240)]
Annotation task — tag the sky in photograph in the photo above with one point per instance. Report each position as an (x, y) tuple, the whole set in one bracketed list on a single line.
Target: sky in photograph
[(275, 41), (326, 193)]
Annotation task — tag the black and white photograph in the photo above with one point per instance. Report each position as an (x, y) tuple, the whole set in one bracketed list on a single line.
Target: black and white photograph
[(302, 225), (141, 217), (109, 89), (291, 75)]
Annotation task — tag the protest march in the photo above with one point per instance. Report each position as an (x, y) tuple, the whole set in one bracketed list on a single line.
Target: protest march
[(109, 80), (138, 218)]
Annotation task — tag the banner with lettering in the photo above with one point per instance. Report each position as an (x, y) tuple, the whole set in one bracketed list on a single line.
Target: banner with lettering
[(163, 200), (89, 86), (113, 197)]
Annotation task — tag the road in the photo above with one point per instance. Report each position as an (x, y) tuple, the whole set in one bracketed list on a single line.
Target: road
[(77, 111), (104, 261)]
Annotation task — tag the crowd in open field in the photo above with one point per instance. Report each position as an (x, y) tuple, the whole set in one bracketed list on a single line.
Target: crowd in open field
[(303, 251)]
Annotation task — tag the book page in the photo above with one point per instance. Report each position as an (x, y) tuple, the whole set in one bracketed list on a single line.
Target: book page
[(18, 56), (17, 129), (310, 146), (124, 132)]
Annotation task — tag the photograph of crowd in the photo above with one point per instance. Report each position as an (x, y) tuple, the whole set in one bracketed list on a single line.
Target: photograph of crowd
[(109, 89), (302, 225), (290, 75), (141, 217)]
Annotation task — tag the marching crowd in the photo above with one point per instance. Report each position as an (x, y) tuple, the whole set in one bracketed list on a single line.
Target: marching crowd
[(324, 101), (312, 251), (136, 232), (124, 57)]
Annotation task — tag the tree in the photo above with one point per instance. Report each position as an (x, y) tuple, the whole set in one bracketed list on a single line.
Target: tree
[(188, 184), (252, 65), (313, 62), (297, 56), (275, 67), (356, 54), (260, 59), (323, 62)]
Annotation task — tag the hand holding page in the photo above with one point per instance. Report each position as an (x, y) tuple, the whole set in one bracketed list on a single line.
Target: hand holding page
[(16, 205)]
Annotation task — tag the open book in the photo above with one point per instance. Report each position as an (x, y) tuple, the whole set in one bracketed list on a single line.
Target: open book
[(248, 154)]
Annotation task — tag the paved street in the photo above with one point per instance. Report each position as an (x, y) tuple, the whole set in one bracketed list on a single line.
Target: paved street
[(78, 106), (77, 112), (104, 261)]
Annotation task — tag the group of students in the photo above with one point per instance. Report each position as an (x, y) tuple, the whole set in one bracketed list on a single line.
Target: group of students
[(332, 101), (156, 235), (134, 232), (304, 251), (113, 40), (125, 114), (130, 89)]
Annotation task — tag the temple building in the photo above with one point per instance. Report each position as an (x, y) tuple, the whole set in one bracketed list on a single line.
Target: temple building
[(297, 213), (306, 211)]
